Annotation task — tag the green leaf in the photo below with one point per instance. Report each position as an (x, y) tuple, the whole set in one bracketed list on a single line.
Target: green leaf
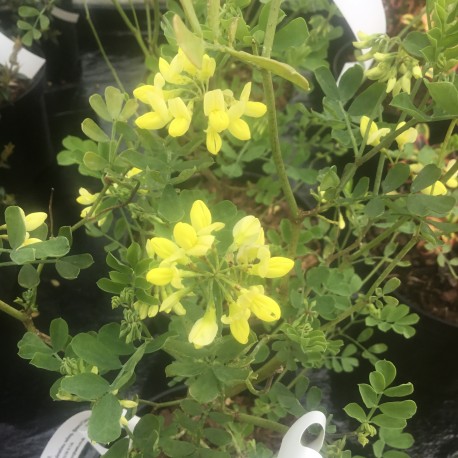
[(109, 335), (94, 352), (387, 369), (146, 432), (44, 22), (45, 361), (205, 388), (327, 82), (350, 82), (99, 106), (368, 395), (377, 381), (386, 421), (414, 42), (87, 386), (293, 34), (217, 436), (94, 161), (114, 100), (428, 176), (399, 391), (15, 226), (120, 449), (31, 344), (354, 410), (177, 448), (375, 207), (399, 409), (70, 266), (93, 131), (391, 285), (396, 177), (404, 103), (445, 95), (28, 11), (424, 205), (27, 38), (170, 206), (368, 99), (128, 369), (104, 425), (277, 68), (110, 286), (28, 277), (396, 438), (129, 109), (395, 454), (192, 46), (23, 255), (58, 331)]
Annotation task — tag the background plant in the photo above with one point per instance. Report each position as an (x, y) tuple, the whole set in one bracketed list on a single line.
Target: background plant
[(178, 250)]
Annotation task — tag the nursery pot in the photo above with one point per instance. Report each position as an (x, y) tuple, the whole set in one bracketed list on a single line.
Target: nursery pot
[(24, 127)]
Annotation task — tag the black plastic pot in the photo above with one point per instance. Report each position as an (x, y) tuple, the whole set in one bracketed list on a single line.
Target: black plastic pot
[(24, 124)]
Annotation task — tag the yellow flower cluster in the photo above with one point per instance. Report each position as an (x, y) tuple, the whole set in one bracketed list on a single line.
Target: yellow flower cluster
[(373, 134), (173, 107), (179, 274)]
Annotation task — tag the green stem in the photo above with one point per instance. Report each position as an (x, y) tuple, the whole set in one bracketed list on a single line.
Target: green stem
[(161, 405), (270, 28), (374, 242), (362, 302), (135, 30), (261, 422), (275, 144), (101, 48), (25, 319), (11, 311), (448, 135), (350, 131), (378, 174)]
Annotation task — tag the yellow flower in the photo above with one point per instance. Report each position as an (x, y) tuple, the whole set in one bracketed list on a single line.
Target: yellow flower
[(213, 141), (205, 329), (409, 136), (215, 110), (247, 231), (85, 197), (181, 117), (133, 171), (171, 72), (160, 276), (186, 237), (436, 189), (172, 302), (207, 70), (264, 307), (275, 267), (153, 95), (374, 134), (34, 220), (201, 219), (238, 322)]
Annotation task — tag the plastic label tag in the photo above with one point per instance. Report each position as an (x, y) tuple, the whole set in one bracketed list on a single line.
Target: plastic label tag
[(29, 63), (64, 15), (292, 446), (366, 16)]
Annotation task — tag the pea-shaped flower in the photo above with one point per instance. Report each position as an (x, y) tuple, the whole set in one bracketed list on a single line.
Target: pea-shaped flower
[(374, 134)]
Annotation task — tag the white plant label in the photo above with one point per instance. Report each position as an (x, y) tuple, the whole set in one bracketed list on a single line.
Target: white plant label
[(29, 63), (64, 15), (366, 16), (292, 446)]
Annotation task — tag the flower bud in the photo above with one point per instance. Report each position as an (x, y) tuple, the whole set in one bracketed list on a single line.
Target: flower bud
[(128, 404)]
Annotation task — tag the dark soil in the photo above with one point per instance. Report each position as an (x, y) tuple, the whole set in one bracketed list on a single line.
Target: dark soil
[(428, 287)]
